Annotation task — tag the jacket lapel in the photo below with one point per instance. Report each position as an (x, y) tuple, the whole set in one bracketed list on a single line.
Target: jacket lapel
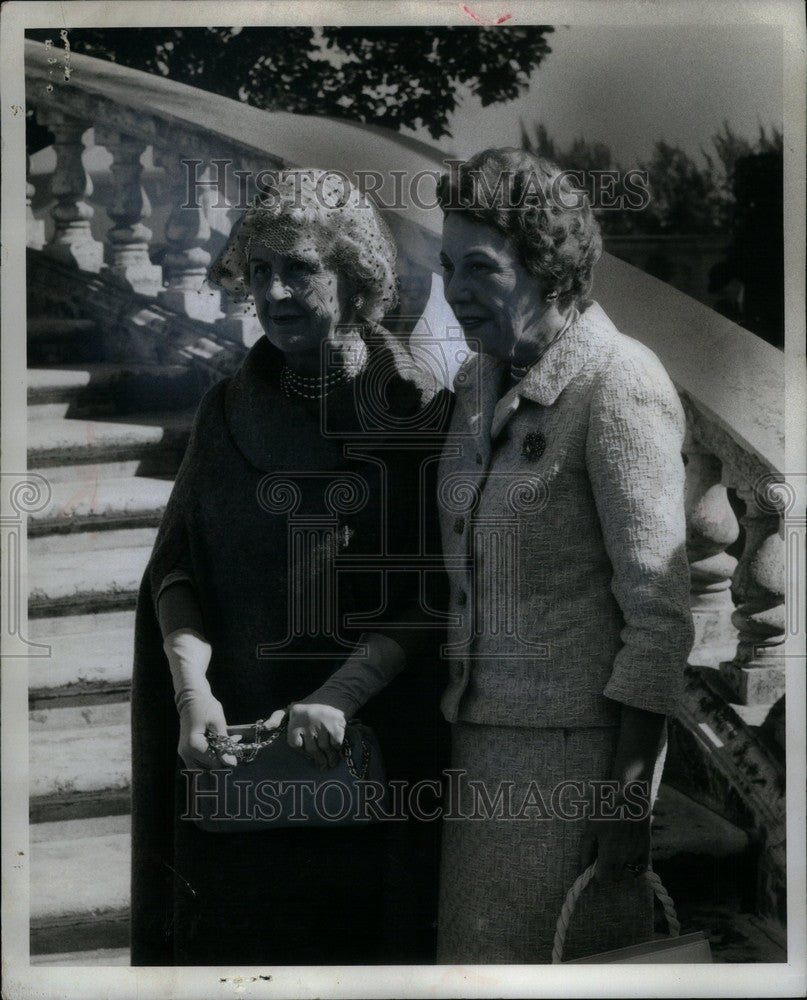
[(563, 361)]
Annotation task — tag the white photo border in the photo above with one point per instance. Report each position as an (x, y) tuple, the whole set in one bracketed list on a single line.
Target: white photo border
[(22, 980)]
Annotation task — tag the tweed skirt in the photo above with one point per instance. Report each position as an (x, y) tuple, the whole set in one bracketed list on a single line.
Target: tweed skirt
[(503, 879)]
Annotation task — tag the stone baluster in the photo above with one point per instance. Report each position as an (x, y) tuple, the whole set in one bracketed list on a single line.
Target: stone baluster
[(129, 237), (756, 674), (71, 185), (34, 228), (186, 261), (711, 529), (240, 323)]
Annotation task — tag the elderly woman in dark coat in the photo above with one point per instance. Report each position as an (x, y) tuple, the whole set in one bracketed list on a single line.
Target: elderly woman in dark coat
[(241, 616), (561, 500)]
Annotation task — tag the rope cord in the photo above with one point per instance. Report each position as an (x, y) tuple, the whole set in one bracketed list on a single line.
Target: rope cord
[(577, 890)]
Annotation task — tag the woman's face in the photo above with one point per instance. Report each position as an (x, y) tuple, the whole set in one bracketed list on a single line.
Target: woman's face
[(498, 303), (299, 299)]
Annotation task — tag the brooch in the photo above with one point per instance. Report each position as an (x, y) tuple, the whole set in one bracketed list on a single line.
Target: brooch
[(533, 446)]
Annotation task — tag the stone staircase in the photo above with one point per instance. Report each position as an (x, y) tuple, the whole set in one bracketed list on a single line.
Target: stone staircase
[(103, 437)]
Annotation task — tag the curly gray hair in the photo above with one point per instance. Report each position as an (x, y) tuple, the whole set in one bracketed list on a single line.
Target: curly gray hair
[(350, 234)]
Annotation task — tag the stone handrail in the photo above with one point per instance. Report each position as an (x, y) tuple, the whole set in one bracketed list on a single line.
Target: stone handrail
[(731, 382), (732, 386), (171, 116)]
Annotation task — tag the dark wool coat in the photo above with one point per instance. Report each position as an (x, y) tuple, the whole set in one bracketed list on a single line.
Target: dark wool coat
[(288, 516)]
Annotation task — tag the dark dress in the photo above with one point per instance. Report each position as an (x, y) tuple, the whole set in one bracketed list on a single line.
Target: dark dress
[(287, 517)]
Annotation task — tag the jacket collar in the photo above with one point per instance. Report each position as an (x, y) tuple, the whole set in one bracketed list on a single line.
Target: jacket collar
[(565, 358), (478, 382), (479, 377)]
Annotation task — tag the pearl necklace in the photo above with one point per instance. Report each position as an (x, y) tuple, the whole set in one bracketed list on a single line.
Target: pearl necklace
[(311, 388), (318, 386)]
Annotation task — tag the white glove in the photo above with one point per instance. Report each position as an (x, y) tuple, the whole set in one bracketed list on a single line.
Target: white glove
[(188, 657)]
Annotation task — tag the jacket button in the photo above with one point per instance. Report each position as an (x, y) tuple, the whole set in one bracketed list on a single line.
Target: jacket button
[(462, 598), (459, 525)]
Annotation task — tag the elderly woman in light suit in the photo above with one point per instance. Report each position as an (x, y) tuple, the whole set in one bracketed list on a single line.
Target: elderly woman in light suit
[(561, 504)]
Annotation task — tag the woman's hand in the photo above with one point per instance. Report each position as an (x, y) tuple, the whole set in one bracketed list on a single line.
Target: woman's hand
[(618, 835), (619, 843), (317, 731), (199, 712), (188, 655)]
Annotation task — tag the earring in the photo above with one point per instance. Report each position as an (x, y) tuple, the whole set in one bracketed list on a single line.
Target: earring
[(358, 301)]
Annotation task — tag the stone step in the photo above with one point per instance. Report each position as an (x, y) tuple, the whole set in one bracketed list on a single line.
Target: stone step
[(80, 762), (49, 327), (79, 829), (96, 956), (80, 885), (46, 385), (59, 441), (734, 935), (88, 571), (103, 504), (70, 718), (58, 341), (70, 545), (50, 410), (701, 856), (80, 881), (93, 381), (152, 465), (90, 660), (683, 826)]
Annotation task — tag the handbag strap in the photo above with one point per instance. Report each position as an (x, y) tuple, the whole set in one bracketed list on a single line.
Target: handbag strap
[(358, 772), (245, 753), (576, 892)]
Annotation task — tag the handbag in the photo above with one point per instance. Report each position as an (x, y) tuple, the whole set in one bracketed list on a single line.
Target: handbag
[(688, 949), (275, 785)]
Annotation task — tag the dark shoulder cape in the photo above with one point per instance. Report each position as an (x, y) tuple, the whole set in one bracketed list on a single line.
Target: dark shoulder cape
[(258, 467)]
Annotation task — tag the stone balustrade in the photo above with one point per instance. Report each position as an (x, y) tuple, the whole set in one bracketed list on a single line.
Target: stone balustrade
[(732, 388), (755, 670), (744, 540)]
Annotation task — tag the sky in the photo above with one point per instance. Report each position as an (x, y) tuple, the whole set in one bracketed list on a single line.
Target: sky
[(628, 86)]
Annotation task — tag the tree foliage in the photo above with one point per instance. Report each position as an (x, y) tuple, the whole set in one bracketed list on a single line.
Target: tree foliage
[(686, 197), (395, 77)]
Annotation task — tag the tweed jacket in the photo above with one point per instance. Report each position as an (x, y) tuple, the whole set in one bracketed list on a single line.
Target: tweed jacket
[(561, 505)]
